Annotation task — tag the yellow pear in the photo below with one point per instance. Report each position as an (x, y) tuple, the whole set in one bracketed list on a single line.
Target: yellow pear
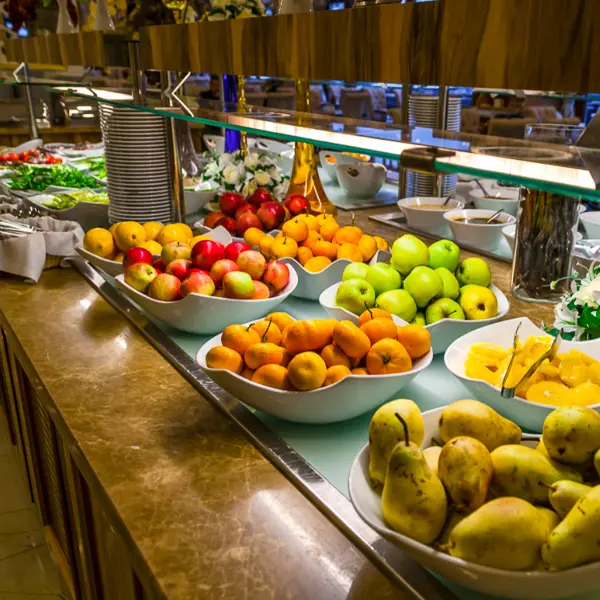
[(564, 494), (432, 456)]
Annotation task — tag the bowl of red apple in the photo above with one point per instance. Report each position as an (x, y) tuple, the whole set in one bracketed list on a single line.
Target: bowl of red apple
[(205, 288)]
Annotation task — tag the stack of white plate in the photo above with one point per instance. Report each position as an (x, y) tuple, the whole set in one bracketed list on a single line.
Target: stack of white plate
[(423, 112), (137, 165)]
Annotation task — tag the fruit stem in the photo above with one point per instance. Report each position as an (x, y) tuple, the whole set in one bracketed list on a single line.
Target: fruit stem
[(436, 442), (368, 309), (403, 425), (264, 337), (352, 222)]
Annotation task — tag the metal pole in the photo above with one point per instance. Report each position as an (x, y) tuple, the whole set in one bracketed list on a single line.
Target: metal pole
[(404, 117), (441, 125), (137, 75), (33, 128)]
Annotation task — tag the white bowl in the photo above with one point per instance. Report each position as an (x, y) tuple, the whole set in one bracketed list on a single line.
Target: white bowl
[(443, 333), (196, 199), (346, 399), (529, 415), (509, 233), (336, 158), (484, 237), (591, 224), (428, 220), (510, 201), (201, 314), (361, 180), (528, 585), (87, 214)]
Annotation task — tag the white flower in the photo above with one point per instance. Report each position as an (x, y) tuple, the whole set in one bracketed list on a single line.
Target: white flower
[(249, 187), (589, 294), (224, 160), (231, 174), (217, 17), (251, 161), (262, 178), (280, 190)]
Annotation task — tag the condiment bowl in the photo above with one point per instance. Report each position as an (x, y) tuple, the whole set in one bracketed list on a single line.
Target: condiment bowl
[(361, 180), (591, 224), (496, 198), (427, 219), (330, 160), (482, 236)]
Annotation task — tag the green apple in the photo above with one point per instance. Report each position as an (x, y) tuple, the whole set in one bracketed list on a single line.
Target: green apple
[(463, 289), (355, 295), (355, 270), (444, 308), (478, 303), (444, 253), (423, 284), (474, 270), (399, 303), (409, 252), (450, 283), (419, 319), (383, 277)]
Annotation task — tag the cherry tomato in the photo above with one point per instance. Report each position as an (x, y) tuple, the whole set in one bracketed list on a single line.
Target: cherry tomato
[(3, 157), (13, 157), (34, 153), (23, 156)]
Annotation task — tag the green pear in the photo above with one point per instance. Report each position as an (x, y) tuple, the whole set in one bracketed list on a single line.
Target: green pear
[(506, 533), (571, 434), (385, 431), (432, 456), (479, 421), (564, 494), (586, 470), (551, 518), (526, 473), (465, 468), (413, 500), (419, 319), (576, 540)]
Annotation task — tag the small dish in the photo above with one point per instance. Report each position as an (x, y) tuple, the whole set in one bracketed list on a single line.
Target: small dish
[(482, 236), (330, 160), (591, 224), (427, 219), (361, 180), (503, 198), (195, 199), (87, 214)]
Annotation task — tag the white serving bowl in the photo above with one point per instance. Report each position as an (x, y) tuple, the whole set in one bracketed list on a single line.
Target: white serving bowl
[(443, 333), (505, 198), (87, 214), (201, 314), (484, 237), (335, 159), (346, 399), (591, 224), (529, 415), (361, 180), (114, 268), (428, 220), (196, 199), (500, 583), (509, 233)]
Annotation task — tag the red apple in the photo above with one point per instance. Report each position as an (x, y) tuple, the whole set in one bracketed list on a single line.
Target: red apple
[(228, 223), (244, 208), (212, 218), (261, 291), (277, 275), (238, 284), (219, 293), (139, 276), (159, 265), (221, 268), (258, 196), (232, 251), (198, 282), (229, 202), (297, 204), (246, 221), (165, 287), (137, 255), (196, 270), (206, 253), (251, 262), (180, 268), (174, 250), (271, 215)]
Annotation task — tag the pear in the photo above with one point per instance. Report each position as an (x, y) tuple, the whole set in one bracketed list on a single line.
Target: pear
[(506, 533), (564, 494), (454, 518), (432, 456), (571, 434), (466, 470), (526, 473), (576, 540), (414, 500), (586, 470), (385, 431), (552, 519), (597, 462), (479, 421)]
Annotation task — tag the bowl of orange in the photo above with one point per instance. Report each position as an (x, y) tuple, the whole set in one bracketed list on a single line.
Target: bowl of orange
[(316, 371)]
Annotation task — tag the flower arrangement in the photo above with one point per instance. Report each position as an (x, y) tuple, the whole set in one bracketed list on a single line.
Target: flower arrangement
[(235, 9), (231, 172)]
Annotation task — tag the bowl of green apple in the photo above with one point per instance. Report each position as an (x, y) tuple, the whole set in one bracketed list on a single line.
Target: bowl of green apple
[(429, 286)]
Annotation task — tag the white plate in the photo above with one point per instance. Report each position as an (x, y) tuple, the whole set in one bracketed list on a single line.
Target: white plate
[(346, 399), (442, 333)]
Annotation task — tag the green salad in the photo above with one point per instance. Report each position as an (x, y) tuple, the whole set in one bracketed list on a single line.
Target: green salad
[(65, 201), (36, 179), (95, 167)]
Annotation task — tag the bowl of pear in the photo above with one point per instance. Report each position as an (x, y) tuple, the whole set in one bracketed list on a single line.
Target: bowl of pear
[(467, 495)]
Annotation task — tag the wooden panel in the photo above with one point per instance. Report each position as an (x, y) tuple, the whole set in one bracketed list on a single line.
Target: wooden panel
[(173, 37)]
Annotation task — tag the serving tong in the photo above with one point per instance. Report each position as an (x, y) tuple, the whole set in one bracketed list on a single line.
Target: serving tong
[(15, 229)]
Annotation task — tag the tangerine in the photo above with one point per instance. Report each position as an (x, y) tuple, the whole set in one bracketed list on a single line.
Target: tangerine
[(354, 342), (317, 263), (273, 376), (416, 340), (335, 373), (381, 243), (313, 334), (221, 357), (350, 252), (281, 319), (379, 329), (323, 248), (247, 373), (313, 237), (130, 234), (328, 229), (348, 235), (324, 218), (253, 235), (264, 245), (367, 246), (239, 338), (388, 356), (304, 255), (295, 229), (268, 331), (171, 233), (284, 247), (307, 371), (264, 353), (152, 229), (334, 355), (100, 242), (373, 313), (359, 371)]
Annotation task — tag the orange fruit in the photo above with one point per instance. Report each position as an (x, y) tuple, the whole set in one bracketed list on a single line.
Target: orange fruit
[(350, 252), (100, 242), (267, 331), (324, 218), (130, 234), (112, 229), (323, 248), (279, 235), (388, 356), (264, 353), (273, 376), (333, 355), (311, 222), (313, 334), (247, 373), (313, 237), (264, 245), (354, 342), (253, 235), (359, 371), (307, 371), (281, 319), (373, 313), (197, 238), (328, 229), (221, 357), (348, 235), (304, 255), (367, 246), (317, 263), (284, 247), (119, 257), (379, 329), (153, 247), (219, 293), (296, 229), (335, 374), (381, 243), (239, 338), (172, 233), (152, 229), (415, 339)]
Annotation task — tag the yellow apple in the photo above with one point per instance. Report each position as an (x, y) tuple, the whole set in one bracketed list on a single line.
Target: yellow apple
[(478, 303)]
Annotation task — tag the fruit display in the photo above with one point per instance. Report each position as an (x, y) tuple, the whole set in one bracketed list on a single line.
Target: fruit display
[(570, 378), (484, 497), (281, 353), (422, 285)]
